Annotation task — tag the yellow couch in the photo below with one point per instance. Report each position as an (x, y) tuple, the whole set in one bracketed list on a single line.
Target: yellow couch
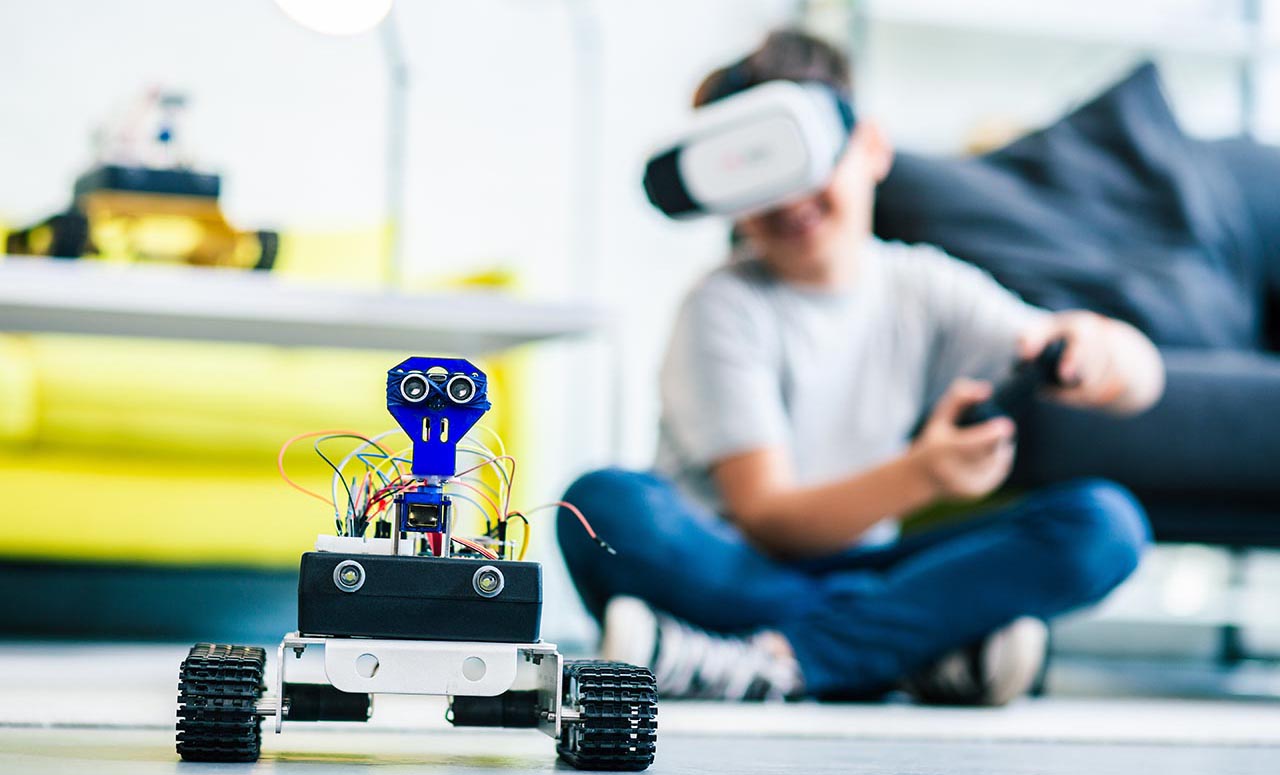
[(165, 452)]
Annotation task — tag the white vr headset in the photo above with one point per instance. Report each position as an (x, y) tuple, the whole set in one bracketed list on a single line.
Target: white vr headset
[(752, 151)]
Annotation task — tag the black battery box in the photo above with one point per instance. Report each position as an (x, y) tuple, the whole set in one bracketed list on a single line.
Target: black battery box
[(419, 598)]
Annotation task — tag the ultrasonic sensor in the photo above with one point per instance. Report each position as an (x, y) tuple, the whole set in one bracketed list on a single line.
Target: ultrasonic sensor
[(414, 386), (461, 389)]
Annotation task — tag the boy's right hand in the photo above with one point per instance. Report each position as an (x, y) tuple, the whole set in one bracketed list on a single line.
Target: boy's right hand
[(963, 462)]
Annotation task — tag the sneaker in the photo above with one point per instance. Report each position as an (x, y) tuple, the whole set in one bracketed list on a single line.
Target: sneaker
[(992, 672), (690, 663)]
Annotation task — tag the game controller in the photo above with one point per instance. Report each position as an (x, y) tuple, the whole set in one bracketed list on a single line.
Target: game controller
[(1013, 396)]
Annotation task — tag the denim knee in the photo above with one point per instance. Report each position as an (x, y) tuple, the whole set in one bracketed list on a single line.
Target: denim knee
[(1100, 533)]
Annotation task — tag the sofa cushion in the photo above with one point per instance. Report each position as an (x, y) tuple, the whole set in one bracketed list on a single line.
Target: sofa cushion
[(1112, 208), (1255, 168)]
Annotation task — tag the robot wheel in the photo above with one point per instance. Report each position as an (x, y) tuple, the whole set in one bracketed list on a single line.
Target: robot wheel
[(218, 690), (616, 726)]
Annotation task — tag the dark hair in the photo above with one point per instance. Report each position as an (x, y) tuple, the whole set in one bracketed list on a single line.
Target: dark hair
[(785, 55)]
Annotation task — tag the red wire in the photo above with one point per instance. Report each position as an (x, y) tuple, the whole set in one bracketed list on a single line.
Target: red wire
[(479, 492), (585, 524), (285, 448), (487, 462)]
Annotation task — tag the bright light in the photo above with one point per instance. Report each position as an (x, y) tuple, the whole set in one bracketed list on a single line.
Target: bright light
[(336, 17)]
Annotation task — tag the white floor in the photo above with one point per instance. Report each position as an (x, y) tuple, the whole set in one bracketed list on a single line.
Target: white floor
[(64, 707)]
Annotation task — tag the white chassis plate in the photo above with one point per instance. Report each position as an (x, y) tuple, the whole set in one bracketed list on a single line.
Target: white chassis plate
[(446, 668)]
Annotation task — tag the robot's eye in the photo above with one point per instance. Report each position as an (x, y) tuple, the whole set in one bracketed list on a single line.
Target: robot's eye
[(488, 581), (414, 386), (461, 388)]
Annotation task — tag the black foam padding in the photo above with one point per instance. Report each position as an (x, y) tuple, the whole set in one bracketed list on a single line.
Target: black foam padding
[(665, 187), (419, 598)]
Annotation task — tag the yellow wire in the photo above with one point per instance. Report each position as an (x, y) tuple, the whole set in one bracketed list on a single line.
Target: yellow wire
[(524, 544)]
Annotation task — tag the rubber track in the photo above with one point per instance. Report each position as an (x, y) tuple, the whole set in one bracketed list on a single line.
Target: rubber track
[(619, 707), (218, 687)]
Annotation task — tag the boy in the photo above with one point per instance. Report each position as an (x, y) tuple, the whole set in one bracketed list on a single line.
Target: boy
[(761, 560)]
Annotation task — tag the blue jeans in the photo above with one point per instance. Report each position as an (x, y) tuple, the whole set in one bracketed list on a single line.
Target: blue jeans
[(861, 620)]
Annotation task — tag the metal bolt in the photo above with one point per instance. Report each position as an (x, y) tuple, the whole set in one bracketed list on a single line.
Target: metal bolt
[(348, 576), (488, 581)]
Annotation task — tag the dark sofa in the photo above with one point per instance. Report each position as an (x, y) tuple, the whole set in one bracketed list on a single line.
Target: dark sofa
[(1114, 208)]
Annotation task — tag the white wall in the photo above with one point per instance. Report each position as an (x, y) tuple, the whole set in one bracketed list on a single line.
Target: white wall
[(931, 70)]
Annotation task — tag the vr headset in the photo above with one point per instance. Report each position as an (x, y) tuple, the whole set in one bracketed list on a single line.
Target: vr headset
[(752, 151)]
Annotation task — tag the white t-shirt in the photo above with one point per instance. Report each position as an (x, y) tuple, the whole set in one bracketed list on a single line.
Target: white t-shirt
[(837, 377)]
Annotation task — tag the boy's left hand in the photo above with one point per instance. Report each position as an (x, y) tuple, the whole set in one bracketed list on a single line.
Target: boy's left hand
[(1090, 371)]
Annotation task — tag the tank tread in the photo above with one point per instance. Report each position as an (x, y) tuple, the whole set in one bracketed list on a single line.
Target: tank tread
[(218, 690), (617, 705)]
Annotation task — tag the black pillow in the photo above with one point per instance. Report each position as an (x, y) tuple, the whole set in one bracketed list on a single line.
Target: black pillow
[(1112, 208)]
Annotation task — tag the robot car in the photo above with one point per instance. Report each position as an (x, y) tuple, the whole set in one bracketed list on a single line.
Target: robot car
[(396, 603)]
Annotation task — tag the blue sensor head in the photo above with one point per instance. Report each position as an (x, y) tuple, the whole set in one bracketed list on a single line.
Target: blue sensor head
[(436, 401)]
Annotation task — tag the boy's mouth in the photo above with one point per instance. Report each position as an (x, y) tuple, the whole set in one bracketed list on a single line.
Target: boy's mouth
[(797, 220)]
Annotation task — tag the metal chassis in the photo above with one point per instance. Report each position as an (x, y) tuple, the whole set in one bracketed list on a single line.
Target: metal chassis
[(434, 668)]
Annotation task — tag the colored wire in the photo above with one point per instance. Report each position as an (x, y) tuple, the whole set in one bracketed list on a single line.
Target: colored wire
[(506, 504), (524, 543), (359, 454), (487, 455), (363, 458), (487, 499), (360, 449), (473, 502), (356, 453), (576, 512), (395, 488), (482, 484), (477, 548), (337, 469), (337, 472), (280, 466), (397, 457)]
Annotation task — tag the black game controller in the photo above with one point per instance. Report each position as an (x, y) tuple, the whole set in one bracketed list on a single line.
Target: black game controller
[(1013, 396)]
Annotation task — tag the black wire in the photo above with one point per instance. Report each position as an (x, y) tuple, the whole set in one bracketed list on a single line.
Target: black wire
[(517, 515), (351, 498)]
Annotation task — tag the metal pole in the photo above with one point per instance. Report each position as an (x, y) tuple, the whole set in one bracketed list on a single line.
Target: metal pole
[(586, 255), (397, 137), (1250, 64)]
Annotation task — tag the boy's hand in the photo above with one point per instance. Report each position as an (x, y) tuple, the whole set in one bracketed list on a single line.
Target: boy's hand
[(1089, 373), (963, 462), (1107, 364)]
